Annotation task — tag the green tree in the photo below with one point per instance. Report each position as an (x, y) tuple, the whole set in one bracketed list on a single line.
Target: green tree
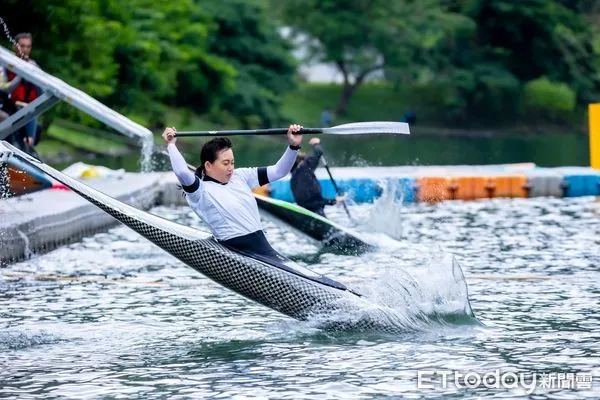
[(134, 56), (163, 56), (248, 39), (481, 72), (548, 100), (361, 37), (70, 40), (535, 38)]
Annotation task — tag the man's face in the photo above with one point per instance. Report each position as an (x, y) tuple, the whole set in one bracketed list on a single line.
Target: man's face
[(23, 48)]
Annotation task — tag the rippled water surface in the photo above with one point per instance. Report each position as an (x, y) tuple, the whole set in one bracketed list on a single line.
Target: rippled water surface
[(115, 316)]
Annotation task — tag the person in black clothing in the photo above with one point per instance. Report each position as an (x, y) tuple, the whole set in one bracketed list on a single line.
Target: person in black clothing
[(305, 185)]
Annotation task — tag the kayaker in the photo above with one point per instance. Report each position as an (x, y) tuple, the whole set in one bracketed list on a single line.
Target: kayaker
[(305, 185), (222, 195)]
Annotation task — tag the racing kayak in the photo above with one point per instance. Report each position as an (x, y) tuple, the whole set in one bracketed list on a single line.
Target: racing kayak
[(330, 234), (278, 283)]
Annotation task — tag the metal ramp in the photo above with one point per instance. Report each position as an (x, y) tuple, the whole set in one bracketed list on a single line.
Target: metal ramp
[(55, 90)]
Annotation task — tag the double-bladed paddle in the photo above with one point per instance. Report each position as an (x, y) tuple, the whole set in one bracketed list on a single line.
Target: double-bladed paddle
[(355, 128)]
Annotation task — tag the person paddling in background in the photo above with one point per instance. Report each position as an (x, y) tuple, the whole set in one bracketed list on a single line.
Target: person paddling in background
[(305, 185), (222, 195)]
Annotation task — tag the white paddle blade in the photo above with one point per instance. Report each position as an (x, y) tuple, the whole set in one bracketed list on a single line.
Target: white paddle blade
[(360, 128)]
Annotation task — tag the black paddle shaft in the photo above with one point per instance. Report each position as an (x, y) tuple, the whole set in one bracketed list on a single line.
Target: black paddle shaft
[(335, 186), (273, 131)]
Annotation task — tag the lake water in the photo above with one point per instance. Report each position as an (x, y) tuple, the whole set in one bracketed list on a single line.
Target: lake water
[(543, 150), (116, 317)]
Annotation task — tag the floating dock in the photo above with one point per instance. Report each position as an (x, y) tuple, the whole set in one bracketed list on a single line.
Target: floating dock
[(42, 221), (434, 184), (45, 219)]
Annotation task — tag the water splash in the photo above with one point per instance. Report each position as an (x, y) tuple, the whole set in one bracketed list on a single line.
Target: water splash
[(400, 301), (5, 192), (7, 32), (387, 214), (20, 340), (27, 248), (147, 150)]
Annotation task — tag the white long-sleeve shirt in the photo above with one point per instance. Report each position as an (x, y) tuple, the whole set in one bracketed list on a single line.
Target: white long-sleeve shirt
[(229, 209)]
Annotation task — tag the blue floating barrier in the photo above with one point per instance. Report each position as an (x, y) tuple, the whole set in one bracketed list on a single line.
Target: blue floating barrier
[(282, 190), (582, 185), (359, 190)]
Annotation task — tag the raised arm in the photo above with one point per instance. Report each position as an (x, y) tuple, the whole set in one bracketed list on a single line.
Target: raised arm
[(286, 162), (180, 167), (283, 166), (187, 179), (312, 160)]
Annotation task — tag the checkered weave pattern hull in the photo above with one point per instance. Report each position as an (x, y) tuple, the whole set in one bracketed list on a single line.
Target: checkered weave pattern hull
[(284, 291)]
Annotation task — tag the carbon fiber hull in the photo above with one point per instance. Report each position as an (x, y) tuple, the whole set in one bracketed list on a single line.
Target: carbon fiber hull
[(295, 294)]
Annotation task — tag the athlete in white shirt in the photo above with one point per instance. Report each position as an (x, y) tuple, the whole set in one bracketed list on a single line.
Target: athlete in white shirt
[(222, 196)]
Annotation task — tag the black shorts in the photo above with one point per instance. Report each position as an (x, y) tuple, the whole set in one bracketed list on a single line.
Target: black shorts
[(254, 243)]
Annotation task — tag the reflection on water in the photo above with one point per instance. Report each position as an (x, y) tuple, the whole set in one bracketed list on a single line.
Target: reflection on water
[(543, 150), (162, 330)]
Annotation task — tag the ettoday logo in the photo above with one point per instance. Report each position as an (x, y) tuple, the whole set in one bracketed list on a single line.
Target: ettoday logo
[(528, 381)]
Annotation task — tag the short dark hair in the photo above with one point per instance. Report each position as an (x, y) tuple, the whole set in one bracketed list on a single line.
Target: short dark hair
[(23, 35), (210, 152)]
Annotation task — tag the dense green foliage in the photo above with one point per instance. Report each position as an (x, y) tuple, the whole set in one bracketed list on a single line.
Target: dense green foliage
[(548, 100), (465, 62), (140, 55), (265, 67), (361, 37), (478, 54)]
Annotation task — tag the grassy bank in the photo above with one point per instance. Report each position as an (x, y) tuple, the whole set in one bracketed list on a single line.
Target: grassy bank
[(64, 142), (370, 102), (386, 103)]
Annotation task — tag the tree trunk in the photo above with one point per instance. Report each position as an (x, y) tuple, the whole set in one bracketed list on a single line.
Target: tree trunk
[(349, 88), (347, 92)]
